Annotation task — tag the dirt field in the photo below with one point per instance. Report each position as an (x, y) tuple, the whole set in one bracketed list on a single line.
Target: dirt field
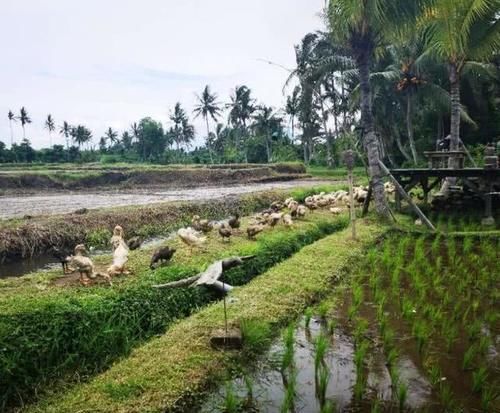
[(57, 203)]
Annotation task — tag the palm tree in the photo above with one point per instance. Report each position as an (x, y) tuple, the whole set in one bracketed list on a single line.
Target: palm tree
[(136, 134), (65, 130), (182, 131), (462, 33), (80, 135), (208, 107), (266, 122), (12, 118), (292, 107), (50, 126), (111, 136), (360, 26), (25, 119), (241, 109)]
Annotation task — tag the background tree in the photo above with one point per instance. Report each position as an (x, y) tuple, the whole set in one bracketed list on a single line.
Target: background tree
[(241, 108), (266, 123), (292, 107), (65, 130), (206, 107), (462, 33), (81, 135), (182, 132), (12, 118), (50, 126), (111, 136), (360, 26), (24, 119)]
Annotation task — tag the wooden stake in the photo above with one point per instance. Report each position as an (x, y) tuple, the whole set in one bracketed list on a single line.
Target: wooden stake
[(351, 204), (408, 199)]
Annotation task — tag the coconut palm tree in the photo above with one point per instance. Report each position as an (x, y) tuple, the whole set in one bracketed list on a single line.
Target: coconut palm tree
[(50, 126), (182, 131), (241, 108), (464, 34), (265, 122), (361, 26), (208, 107), (111, 136), (80, 135), (12, 118), (292, 107), (24, 119), (65, 130)]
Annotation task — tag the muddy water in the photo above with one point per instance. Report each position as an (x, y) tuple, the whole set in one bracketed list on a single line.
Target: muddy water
[(47, 262), (57, 202), (268, 389)]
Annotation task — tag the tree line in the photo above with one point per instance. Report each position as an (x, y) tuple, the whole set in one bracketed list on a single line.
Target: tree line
[(386, 78)]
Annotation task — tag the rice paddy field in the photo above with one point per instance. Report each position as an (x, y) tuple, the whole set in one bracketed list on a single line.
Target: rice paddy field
[(397, 320)]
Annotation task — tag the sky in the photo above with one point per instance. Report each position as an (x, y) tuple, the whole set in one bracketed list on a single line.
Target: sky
[(106, 63)]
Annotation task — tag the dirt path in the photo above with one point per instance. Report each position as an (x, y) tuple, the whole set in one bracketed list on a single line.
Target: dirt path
[(57, 203)]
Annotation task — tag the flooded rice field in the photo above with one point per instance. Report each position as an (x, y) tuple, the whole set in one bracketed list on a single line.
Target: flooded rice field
[(58, 202), (419, 331)]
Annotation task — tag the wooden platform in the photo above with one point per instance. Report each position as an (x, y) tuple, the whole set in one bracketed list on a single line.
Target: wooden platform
[(480, 181)]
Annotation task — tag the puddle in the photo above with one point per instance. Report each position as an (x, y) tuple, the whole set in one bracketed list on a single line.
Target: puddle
[(59, 203), (47, 262)]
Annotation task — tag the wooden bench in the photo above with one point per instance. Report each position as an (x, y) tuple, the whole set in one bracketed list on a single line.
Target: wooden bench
[(439, 159)]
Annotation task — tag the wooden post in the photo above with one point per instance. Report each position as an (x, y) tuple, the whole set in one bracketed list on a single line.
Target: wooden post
[(408, 199), (349, 162), (366, 204)]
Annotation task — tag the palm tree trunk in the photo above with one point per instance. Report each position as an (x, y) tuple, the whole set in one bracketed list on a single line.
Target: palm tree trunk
[(293, 128), (11, 133), (409, 127), (268, 149), (370, 139), (454, 125), (329, 158), (208, 141), (24, 133), (401, 148)]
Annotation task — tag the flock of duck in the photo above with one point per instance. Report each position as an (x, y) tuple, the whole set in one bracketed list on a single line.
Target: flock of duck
[(194, 236)]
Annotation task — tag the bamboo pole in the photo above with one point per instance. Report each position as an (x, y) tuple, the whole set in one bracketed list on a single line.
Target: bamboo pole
[(408, 199)]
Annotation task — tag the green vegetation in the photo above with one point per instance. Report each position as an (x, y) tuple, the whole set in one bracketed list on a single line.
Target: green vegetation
[(169, 379), (82, 330)]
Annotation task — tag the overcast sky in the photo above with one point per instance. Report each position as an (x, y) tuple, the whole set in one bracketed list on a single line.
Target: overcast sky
[(111, 62)]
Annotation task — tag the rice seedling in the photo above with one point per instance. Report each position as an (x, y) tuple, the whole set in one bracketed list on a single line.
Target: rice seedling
[(360, 329), (307, 316), (323, 309), (320, 348), (446, 396), (421, 333), (328, 407), (332, 324), (288, 404), (256, 335), (489, 395), (467, 246), (435, 374), (376, 406), (469, 356), (321, 380), (231, 402), (402, 396), (357, 295), (289, 341), (407, 308), (394, 373), (484, 344), (479, 378), (392, 356), (360, 355)]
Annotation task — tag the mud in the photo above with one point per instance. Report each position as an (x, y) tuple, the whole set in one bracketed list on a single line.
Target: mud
[(57, 203)]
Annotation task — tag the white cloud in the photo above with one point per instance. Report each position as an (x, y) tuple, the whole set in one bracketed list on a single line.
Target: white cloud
[(109, 63)]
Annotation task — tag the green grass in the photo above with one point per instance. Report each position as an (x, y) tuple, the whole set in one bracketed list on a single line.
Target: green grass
[(50, 332), (174, 368)]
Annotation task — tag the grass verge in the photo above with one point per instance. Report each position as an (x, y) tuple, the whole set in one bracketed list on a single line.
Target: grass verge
[(168, 372), (50, 333)]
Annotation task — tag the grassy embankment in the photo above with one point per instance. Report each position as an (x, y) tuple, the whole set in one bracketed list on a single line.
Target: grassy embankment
[(50, 332), (166, 373), (92, 176)]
